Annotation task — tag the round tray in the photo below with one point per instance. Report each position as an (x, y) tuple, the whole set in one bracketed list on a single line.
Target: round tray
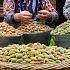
[(43, 38), (62, 40), (5, 41)]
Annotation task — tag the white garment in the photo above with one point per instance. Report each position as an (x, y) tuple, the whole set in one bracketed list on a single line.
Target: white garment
[(34, 5)]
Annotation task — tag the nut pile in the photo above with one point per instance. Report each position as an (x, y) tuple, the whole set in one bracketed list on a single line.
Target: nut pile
[(7, 30), (34, 53), (62, 29), (34, 27)]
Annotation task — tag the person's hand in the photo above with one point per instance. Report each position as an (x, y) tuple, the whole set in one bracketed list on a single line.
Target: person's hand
[(17, 17), (26, 17), (44, 14)]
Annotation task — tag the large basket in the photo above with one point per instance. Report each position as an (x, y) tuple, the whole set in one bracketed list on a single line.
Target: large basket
[(62, 40), (5, 41), (14, 66), (43, 38)]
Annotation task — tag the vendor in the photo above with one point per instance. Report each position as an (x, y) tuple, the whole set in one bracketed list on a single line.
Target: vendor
[(16, 11), (66, 9)]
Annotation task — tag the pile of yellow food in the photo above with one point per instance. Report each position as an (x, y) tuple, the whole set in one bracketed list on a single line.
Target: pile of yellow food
[(34, 54), (34, 27), (7, 30)]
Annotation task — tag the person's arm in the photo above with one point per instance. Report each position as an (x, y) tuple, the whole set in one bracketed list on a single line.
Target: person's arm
[(66, 9), (46, 5), (9, 11)]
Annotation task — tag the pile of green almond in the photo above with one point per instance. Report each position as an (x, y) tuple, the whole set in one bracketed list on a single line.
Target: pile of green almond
[(62, 29), (34, 53)]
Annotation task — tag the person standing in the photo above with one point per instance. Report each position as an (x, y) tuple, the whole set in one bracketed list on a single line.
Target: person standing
[(16, 11)]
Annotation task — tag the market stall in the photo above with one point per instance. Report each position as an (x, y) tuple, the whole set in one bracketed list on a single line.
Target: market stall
[(34, 46), (34, 56)]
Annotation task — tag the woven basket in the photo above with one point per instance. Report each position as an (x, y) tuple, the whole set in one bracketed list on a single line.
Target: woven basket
[(14, 66), (62, 40)]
